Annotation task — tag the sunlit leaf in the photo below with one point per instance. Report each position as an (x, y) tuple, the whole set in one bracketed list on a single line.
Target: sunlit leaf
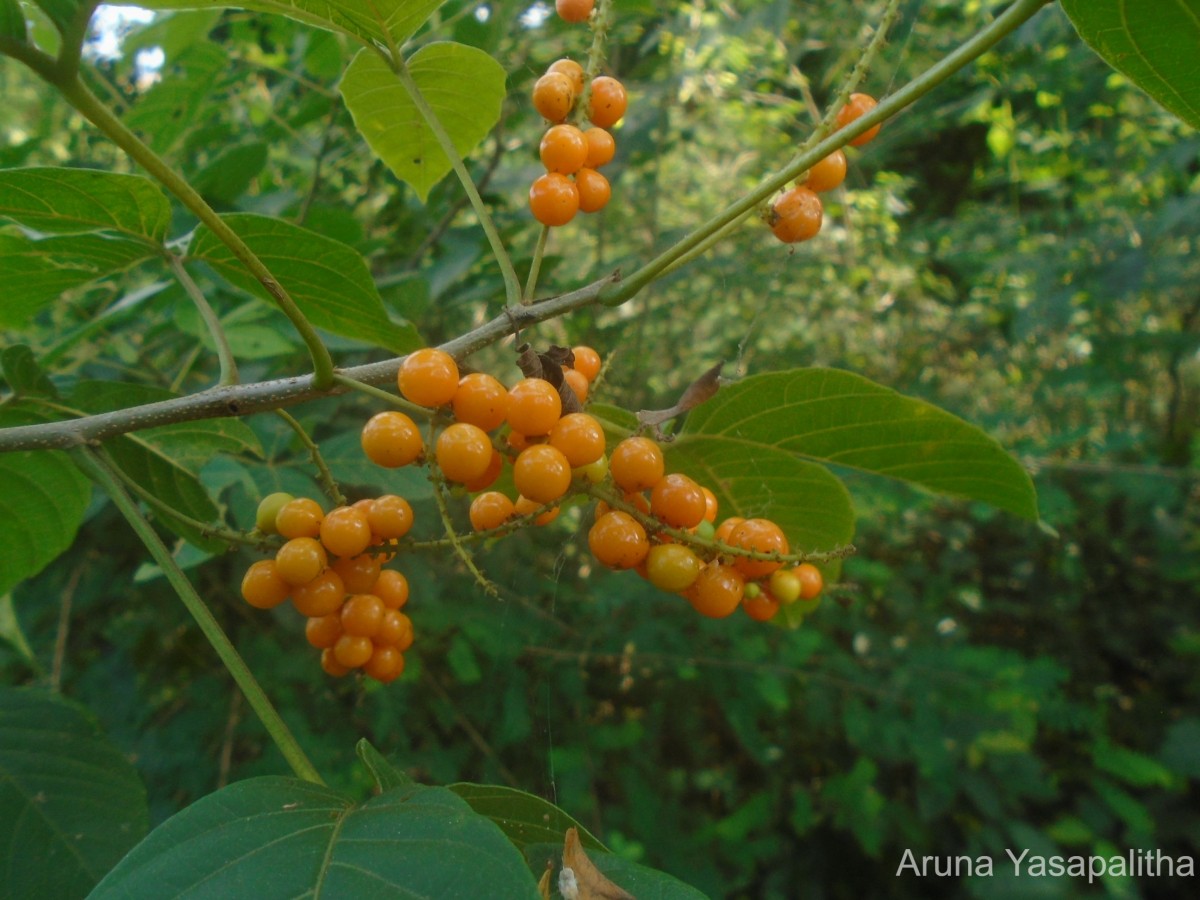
[(70, 201)]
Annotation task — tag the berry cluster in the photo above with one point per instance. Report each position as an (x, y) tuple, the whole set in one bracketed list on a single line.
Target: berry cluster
[(572, 156), (797, 214), (352, 603)]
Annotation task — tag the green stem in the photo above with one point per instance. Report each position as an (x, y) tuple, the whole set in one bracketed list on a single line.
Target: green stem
[(379, 394), (535, 267), (78, 95), (1000, 27), (439, 495), (229, 373), (512, 287), (325, 477), (96, 467)]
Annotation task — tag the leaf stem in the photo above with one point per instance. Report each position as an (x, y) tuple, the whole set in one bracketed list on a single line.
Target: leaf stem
[(325, 477), (229, 372), (371, 391), (535, 267), (97, 468)]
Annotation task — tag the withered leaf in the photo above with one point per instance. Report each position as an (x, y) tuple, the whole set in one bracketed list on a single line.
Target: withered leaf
[(548, 367), (703, 388), (580, 879), (544, 881)]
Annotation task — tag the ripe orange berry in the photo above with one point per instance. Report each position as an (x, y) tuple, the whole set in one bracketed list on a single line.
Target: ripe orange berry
[(268, 509), (385, 665), (563, 149), (352, 650), (723, 530), (857, 106), (390, 517), (491, 510), (594, 190), (607, 103), (330, 664), (323, 631), (828, 173), (299, 518), (262, 585), (553, 199), (672, 567), (362, 615), (811, 580), (763, 536), (553, 96), (346, 531), (463, 452), (710, 505), (587, 362), (578, 382), (572, 70), (300, 560), (678, 501), (636, 464), (358, 573), (395, 629), (391, 439), (602, 147), (489, 476), (481, 400), (579, 437), (574, 11), (321, 596), (392, 588), (542, 473), (428, 377), (796, 216), (717, 590), (618, 540), (534, 406), (762, 607), (524, 507)]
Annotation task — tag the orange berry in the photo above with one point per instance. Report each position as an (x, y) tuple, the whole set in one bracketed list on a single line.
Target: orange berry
[(574, 11), (395, 629), (760, 535), (362, 615), (534, 406), (594, 190), (857, 106), (762, 607), (392, 588), (542, 473), (428, 377), (300, 560), (828, 173), (601, 147), (358, 573), (636, 464), (717, 590), (672, 567), (491, 510), (299, 518), (678, 501), (579, 437), (463, 452), (724, 529), (578, 383), (346, 531), (563, 149), (618, 540), (811, 580), (553, 96), (524, 507), (587, 362), (553, 199), (321, 596), (385, 665), (391, 439), (607, 103), (796, 216), (481, 400), (262, 585), (710, 505), (573, 71), (323, 631), (390, 517), (489, 476), (352, 650), (330, 664)]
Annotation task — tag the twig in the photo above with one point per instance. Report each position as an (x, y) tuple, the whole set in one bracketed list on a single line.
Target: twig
[(229, 373), (325, 477)]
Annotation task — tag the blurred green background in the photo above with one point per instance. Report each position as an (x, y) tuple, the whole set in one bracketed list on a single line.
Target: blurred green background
[(1019, 248)]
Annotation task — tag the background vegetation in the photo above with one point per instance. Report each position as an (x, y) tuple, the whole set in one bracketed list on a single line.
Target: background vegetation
[(1019, 248)]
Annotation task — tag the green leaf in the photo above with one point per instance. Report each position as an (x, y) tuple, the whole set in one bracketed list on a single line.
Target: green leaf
[(1132, 767), (165, 113), (844, 419), (463, 85), (71, 201), (368, 21), (231, 171), (23, 373), (345, 457), (385, 774), (37, 272), (640, 881), (1153, 44), (41, 506), (328, 280), (12, 22), (71, 805), (525, 818), (279, 837)]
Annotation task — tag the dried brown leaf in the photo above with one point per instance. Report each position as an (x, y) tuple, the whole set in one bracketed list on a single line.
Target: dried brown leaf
[(703, 388), (580, 879)]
